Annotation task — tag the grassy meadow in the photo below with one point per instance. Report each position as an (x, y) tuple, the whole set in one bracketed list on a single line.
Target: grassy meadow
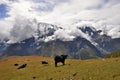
[(92, 69)]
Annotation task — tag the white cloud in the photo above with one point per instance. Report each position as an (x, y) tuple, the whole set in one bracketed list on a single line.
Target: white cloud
[(65, 13), (22, 29), (68, 35), (5, 27), (111, 30)]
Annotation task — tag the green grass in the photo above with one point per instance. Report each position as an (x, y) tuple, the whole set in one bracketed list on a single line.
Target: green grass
[(93, 69)]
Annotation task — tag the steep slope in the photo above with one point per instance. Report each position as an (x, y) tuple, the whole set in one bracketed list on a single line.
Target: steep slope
[(103, 42)]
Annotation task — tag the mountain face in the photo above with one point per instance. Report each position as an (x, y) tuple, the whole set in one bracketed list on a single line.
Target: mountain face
[(78, 48), (104, 42), (3, 46)]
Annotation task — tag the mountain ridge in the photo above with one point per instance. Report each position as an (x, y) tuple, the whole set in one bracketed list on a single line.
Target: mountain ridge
[(80, 43)]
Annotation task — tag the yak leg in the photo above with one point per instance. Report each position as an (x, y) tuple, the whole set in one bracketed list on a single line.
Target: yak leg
[(63, 63), (55, 64)]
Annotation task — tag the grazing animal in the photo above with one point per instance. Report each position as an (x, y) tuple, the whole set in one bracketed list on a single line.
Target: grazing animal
[(34, 77), (60, 59), (16, 64), (44, 62), (22, 66)]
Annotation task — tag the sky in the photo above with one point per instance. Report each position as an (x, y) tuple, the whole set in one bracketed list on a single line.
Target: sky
[(16, 16)]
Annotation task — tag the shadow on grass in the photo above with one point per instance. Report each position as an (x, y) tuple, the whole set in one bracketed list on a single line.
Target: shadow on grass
[(62, 65)]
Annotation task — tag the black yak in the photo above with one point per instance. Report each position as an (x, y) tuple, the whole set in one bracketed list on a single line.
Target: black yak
[(16, 64), (60, 59), (22, 66), (44, 62)]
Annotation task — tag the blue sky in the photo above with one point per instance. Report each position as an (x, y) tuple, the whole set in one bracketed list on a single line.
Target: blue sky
[(3, 11)]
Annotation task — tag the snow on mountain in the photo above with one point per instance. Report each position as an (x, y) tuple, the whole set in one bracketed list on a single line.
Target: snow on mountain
[(28, 37), (45, 30), (25, 28)]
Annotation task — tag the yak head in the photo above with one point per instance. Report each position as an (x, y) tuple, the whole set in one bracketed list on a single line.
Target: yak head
[(64, 56)]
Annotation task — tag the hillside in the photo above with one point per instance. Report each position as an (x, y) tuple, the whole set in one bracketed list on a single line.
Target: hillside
[(92, 69), (114, 54), (80, 48)]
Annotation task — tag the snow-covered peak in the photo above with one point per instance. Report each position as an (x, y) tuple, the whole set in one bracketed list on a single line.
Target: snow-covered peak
[(91, 31), (27, 28), (44, 30)]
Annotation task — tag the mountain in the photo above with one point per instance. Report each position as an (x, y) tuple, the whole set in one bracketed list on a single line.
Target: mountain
[(113, 54), (79, 48), (3, 46), (89, 43), (44, 30), (104, 42)]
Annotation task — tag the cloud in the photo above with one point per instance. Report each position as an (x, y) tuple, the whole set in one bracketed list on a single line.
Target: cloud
[(113, 32), (5, 27), (102, 14), (68, 35), (22, 29)]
